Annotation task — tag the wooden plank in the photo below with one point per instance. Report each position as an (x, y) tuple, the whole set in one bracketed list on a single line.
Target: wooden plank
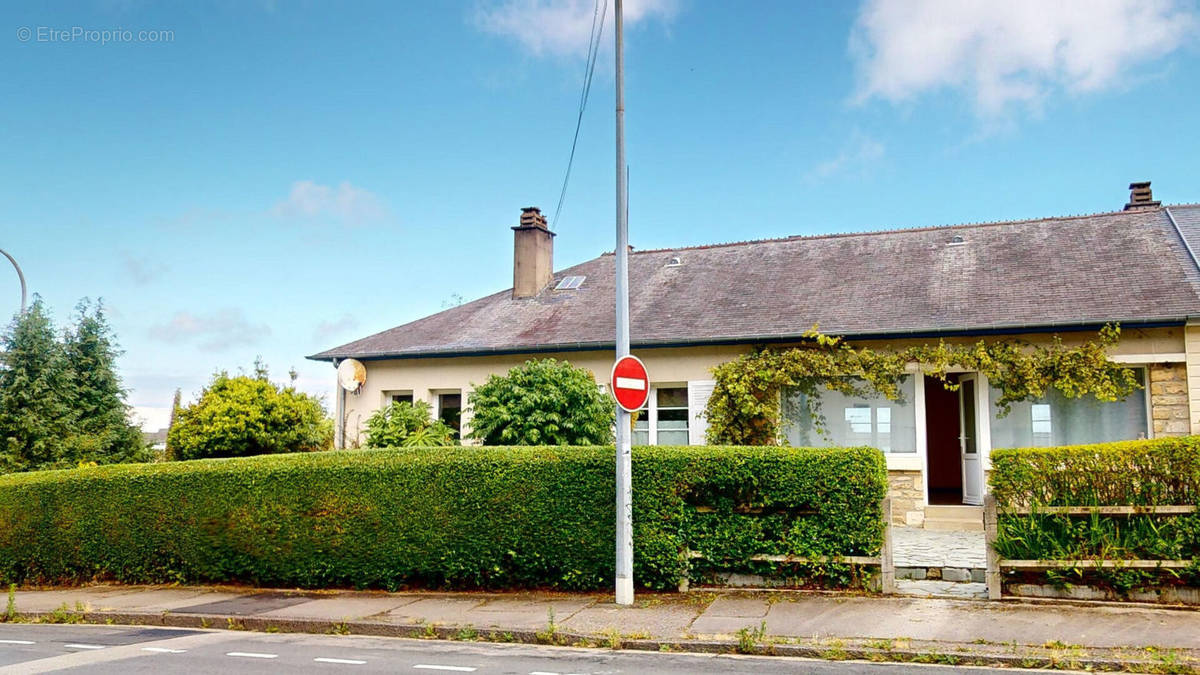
[(1100, 510), (763, 557), (992, 577), (1107, 564), (887, 566)]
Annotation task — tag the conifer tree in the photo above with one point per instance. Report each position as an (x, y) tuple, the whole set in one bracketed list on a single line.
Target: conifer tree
[(35, 396), (101, 429)]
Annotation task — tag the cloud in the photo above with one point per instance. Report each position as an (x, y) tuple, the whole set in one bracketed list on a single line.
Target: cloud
[(328, 329), (213, 332), (345, 204), (142, 270), (562, 27), (858, 155), (1010, 53)]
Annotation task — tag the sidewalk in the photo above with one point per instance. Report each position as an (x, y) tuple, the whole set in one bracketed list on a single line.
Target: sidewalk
[(825, 625)]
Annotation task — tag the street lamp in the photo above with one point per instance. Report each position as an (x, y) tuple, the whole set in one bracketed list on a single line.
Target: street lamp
[(19, 276)]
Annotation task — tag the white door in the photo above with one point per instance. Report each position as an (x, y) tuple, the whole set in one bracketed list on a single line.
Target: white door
[(968, 438)]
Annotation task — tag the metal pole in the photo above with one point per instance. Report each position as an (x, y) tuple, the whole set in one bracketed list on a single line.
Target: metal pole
[(624, 455), (19, 276)]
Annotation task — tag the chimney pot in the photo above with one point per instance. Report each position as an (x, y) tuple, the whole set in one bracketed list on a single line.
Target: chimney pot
[(533, 254), (1141, 197)]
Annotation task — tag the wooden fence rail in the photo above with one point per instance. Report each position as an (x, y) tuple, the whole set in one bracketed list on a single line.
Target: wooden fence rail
[(995, 564), (887, 567)]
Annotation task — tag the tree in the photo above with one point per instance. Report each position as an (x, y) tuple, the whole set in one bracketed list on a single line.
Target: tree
[(102, 431), (249, 415), (407, 424), (35, 402), (543, 402)]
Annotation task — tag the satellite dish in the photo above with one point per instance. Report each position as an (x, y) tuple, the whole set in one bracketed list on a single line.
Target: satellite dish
[(352, 375)]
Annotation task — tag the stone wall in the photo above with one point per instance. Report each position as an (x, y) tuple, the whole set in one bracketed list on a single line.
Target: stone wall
[(907, 490), (1169, 399)]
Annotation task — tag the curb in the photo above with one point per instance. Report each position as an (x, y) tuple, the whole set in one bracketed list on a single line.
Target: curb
[(949, 653)]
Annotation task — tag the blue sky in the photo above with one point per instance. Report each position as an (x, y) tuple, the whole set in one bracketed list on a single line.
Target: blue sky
[(278, 178)]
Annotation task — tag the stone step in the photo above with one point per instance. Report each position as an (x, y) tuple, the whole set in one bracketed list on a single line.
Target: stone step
[(954, 525), (953, 512)]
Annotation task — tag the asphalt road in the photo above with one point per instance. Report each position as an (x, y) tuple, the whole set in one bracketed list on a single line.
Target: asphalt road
[(38, 648)]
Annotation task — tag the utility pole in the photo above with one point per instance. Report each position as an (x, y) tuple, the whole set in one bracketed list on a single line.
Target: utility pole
[(624, 588), (20, 276)]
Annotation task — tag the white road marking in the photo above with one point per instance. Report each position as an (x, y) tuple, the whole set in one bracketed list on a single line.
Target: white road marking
[(76, 646), (253, 655), (457, 669), (163, 650), (349, 662), (630, 383), (17, 642)]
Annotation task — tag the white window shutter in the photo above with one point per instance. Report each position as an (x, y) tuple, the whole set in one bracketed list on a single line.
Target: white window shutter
[(698, 393)]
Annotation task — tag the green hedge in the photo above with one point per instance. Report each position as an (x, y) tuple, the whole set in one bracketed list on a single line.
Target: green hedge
[(433, 517), (1140, 473)]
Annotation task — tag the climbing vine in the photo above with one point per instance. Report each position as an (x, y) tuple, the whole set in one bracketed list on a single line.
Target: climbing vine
[(745, 407)]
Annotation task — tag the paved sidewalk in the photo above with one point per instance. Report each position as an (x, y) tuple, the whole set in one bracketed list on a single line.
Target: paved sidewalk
[(657, 616)]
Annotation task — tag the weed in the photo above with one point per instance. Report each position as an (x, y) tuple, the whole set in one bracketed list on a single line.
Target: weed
[(550, 635), (749, 638), (234, 624), (205, 623), (339, 628), (272, 629), (882, 645), (430, 632), (467, 634), (1054, 644), (63, 614), (10, 612), (614, 638)]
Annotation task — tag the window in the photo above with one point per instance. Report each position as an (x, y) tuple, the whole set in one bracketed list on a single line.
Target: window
[(890, 426), (449, 410), (399, 397), (1057, 420), (664, 418)]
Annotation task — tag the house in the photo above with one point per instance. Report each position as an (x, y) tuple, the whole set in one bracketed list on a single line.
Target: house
[(695, 307)]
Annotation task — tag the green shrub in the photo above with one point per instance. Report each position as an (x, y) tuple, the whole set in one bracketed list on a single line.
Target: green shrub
[(542, 402), (249, 415), (432, 517), (404, 424), (1138, 473)]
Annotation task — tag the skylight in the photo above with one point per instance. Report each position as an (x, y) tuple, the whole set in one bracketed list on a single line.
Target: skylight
[(569, 283)]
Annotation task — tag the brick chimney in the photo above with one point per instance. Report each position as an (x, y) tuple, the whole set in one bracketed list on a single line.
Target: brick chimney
[(533, 254), (1140, 197)]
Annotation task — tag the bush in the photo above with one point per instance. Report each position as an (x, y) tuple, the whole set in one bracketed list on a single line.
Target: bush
[(542, 402), (443, 517), (249, 415), (404, 424), (1137, 473)]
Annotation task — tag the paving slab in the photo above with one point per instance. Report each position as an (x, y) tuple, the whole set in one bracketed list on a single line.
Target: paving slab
[(88, 598), (666, 620), (245, 605), (738, 606), (968, 621), (341, 608), (160, 599), (448, 611), (524, 614)]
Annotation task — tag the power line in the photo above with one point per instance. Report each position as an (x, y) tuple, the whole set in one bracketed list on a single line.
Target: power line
[(589, 69)]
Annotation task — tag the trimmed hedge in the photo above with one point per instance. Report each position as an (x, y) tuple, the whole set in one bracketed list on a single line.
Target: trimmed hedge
[(1138, 473), (1163, 471), (433, 517)]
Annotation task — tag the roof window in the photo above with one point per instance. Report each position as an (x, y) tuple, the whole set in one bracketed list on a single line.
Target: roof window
[(569, 283)]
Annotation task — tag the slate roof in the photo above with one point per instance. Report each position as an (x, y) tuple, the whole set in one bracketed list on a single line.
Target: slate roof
[(1130, 266)]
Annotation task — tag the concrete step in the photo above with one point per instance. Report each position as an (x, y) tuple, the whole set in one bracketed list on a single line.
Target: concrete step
[(962, 518)]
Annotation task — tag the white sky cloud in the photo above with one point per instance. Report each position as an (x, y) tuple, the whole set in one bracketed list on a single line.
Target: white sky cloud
[(212, 332), (859, 154), (562, 27), (1012, 52), (345, 203), (326, 330)]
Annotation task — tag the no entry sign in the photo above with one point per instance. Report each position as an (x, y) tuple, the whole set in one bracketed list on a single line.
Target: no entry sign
[(629, 383)]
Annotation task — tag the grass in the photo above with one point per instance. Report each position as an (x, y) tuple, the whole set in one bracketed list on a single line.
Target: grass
[(10, 611)]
